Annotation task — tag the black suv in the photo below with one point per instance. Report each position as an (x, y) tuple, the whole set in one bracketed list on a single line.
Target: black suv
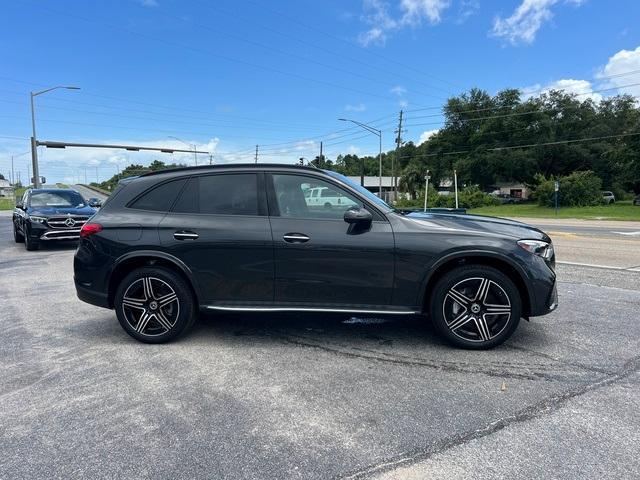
[(46, 215), (253, 238)]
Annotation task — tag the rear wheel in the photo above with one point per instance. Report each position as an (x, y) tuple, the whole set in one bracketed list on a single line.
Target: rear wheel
[(476, 307), (154, 305)]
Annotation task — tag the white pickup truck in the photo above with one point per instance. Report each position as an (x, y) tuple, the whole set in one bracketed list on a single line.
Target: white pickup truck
[(325, 197)]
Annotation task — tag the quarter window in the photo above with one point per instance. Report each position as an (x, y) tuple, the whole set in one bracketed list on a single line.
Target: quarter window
[(223, 194), (298, 196), (161, 197)]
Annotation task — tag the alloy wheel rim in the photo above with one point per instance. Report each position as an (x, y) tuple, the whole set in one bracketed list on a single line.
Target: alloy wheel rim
[(476, 309), (150, 306)]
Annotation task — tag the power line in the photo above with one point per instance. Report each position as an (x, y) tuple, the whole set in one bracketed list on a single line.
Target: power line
[(213, 54)]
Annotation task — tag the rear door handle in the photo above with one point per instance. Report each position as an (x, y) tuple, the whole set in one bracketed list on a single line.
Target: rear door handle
[(295, 238), (184, 235)]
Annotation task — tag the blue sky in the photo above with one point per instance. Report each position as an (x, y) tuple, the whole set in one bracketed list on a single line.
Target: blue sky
[(227, 75)]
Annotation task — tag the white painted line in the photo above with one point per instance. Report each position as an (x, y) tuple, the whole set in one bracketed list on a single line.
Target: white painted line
[(608, 267), (635, 234)]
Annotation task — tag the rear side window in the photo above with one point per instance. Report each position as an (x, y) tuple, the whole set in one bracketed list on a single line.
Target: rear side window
[(161, 197), (224, 194)]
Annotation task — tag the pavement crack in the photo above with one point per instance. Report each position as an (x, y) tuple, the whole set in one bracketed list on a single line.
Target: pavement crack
[(373, 355), (539, 409)]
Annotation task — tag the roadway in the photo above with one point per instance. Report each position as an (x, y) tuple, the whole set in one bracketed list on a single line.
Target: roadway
[(88, 193), (313, 396)]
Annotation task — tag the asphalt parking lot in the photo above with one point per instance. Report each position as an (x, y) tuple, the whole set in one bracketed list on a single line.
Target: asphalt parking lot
[(291, 396)]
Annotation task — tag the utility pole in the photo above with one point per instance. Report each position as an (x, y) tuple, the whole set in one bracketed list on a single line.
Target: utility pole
[(426, 189), (394, 179), (256, 154), (320, 158), (210, 159), (13, 180), (455, 185)]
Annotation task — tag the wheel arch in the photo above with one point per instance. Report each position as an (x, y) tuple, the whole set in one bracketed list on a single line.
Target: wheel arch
[(491, 259), (144, 258)]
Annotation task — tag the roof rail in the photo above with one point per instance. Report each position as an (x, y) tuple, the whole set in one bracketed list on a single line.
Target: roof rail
[(229, 165)]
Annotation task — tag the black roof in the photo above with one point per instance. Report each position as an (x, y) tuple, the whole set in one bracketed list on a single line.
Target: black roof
[(255, 166)]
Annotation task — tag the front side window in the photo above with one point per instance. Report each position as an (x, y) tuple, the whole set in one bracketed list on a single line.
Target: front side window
[(222, 194), (326, 201)]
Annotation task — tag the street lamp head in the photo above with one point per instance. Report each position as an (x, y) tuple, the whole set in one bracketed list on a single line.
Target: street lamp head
[(344, 119), (72, 88)]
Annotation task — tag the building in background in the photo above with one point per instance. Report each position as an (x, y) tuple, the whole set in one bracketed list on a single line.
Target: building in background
[(6, 189)]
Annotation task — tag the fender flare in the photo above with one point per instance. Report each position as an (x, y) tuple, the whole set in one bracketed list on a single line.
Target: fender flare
[(459, 254), (186, 271)]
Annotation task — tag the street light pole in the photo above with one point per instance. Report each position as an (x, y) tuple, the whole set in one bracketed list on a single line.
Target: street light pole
[(377, 132), (34, 147)]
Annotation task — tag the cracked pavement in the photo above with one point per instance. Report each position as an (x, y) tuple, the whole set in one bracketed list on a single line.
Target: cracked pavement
[(314, 396)]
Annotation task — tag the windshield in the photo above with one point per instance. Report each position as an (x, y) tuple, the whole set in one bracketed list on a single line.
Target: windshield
[(56, 199), (363, 191)]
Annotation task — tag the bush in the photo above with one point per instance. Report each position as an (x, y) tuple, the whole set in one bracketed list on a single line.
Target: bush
[(580, 189)]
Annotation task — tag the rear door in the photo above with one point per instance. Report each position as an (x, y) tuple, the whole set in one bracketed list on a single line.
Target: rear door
[(220, 230)]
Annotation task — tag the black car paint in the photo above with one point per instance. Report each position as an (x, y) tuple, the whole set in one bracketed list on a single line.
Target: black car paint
[(24, 210), (243, 261)]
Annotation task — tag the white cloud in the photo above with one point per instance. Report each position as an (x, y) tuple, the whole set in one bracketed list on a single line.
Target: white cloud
[(360, 107), (149, 3), (569, 85), (467, 9), (524, 23), (398, 90), (622, 62), (411, 13), (424, 136)]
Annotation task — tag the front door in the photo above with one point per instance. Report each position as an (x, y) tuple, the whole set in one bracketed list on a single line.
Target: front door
[(219, 229), (319, 260)]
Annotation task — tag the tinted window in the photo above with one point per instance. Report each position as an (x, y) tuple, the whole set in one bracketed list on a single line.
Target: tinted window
[(161, 197), (224, 194), (327, 201)]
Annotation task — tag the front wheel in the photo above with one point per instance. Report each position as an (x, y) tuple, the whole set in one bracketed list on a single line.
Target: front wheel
[(476, 307), (29, 243), (154, 305), (17, 236)]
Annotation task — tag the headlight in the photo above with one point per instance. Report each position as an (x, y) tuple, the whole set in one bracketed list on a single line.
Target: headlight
[(538, 247), (37, 219)]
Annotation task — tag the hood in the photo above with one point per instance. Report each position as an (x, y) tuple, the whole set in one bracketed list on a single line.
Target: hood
[(53, 211), (478, 224)]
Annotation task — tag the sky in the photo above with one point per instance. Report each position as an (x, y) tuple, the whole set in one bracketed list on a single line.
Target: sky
[(227, 75)]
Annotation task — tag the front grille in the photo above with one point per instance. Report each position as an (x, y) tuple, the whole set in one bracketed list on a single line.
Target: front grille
[(65, 223)]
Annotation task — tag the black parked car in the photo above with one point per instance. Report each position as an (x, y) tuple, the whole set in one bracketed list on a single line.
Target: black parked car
[(46, 215), (247, 238)]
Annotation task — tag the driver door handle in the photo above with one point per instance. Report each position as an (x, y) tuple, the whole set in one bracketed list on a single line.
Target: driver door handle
[(185, 235), (295, 238)]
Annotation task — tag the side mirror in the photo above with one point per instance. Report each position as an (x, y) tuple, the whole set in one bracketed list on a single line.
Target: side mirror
[(20, 205), (358, 216), (95, 203)]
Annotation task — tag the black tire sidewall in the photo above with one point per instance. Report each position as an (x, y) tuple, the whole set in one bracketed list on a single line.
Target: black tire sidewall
[(458, 274), (30, 244), (186, 316), (17, 236)]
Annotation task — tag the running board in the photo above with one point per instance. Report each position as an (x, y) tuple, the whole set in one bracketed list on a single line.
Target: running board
[(309, 309)]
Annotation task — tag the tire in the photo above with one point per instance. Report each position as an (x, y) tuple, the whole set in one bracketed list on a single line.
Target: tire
[(17, 236), (133, 304), (475, 307), (30, 244)]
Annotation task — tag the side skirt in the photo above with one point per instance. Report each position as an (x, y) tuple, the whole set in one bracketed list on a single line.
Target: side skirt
[(307, 309)]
